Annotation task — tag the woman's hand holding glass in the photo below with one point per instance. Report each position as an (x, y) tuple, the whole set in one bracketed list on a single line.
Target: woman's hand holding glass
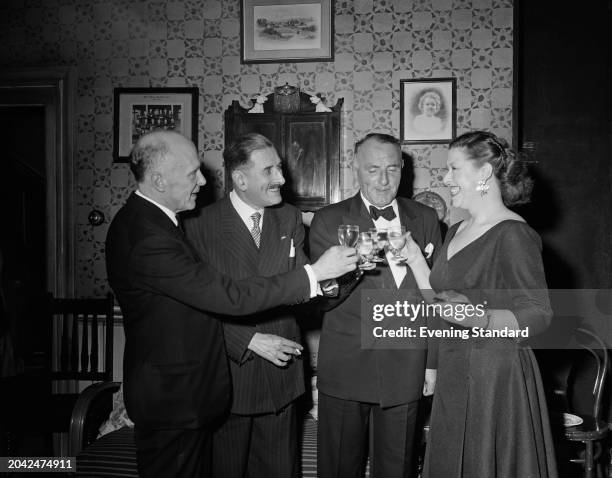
[(397, 241), (411, 251)]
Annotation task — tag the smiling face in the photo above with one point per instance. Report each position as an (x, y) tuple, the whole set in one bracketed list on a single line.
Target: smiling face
[(430, 106), (259, 181), (462, 178), (378, 169), (181, 175)]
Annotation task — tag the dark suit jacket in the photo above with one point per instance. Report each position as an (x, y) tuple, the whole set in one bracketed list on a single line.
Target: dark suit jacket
[(345, 370), (224, 241), (175, 368)]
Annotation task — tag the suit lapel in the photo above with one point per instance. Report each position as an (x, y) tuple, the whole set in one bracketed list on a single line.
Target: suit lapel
[(412, 222), (358, 214), (156, 215), (179, 232), (274, 249), (236, 238)]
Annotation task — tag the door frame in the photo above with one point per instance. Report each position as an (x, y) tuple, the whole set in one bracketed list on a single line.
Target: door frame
[(53, 87)]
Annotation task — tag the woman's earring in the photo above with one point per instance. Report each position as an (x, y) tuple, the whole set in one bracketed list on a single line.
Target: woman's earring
[(483, 187)]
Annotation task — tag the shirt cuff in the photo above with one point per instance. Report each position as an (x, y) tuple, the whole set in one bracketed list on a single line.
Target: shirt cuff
[(315, 289)]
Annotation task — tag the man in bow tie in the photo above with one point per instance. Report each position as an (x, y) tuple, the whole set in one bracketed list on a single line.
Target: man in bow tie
[(252, 232), (361, 388)]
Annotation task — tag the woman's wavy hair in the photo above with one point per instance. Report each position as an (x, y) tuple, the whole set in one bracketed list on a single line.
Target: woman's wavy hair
[(511, 172)]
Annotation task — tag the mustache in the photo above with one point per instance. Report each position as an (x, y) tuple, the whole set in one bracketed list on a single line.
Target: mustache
[(275, 185)]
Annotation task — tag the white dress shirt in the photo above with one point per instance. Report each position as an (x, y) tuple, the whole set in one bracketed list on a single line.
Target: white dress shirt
[(398, 270), (245, 211)]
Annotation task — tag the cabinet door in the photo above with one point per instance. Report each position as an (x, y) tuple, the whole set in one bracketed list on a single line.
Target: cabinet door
[(307, 158), (264, 124)]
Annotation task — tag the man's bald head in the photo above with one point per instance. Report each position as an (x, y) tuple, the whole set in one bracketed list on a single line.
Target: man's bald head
[(152, 150), (167, 168)]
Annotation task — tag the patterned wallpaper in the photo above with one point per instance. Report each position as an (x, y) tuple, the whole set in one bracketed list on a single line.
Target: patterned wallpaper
[(197, 42)]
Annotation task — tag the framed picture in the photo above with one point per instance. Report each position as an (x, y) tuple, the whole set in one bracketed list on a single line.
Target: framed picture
[(428, 110), (138, 111), (276, 31)]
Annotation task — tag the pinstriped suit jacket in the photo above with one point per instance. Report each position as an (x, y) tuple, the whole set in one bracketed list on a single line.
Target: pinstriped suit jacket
[(223, 240)]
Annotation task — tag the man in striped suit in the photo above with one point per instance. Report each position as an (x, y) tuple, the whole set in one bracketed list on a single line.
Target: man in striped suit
[(249, 233)]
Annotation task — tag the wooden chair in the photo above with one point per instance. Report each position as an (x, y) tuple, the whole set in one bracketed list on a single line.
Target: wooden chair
[(92, 408), (80, 329), (79, 346), (583, 373)]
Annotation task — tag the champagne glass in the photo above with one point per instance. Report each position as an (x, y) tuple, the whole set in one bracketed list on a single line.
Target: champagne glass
[(342, 233), (397, 241), (365, 248), (348, 235), (379, 237)]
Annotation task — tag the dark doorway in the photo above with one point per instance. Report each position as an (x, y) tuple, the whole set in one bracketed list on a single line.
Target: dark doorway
[(37, 241), (565, 116), (25, 334), (23, 240)]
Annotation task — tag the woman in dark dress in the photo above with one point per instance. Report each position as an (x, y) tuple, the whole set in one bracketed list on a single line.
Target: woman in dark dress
[(489, 416)]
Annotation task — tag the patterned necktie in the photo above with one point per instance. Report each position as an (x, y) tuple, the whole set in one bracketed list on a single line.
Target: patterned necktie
[(388, 213), (255, 230)]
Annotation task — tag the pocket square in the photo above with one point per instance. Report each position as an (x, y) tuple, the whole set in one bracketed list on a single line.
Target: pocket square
[(429, 248), (283, 237)]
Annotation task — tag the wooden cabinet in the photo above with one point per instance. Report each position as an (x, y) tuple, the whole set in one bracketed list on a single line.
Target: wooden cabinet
[(308, 142)]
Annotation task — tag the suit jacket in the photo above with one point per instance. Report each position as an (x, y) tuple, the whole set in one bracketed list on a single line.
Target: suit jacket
[(175, 368), (345, 369), (222, 238)]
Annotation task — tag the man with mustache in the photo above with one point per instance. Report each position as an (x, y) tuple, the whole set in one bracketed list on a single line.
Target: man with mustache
[(252, 232), (175, 371)]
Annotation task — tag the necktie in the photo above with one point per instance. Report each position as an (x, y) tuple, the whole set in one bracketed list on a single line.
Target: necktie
[(388, 213), (255, 230)]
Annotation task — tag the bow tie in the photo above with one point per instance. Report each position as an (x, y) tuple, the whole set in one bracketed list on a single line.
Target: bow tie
[(388, 213)]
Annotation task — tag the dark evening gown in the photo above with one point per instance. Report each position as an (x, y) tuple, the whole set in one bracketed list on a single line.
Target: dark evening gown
[(489, 417)]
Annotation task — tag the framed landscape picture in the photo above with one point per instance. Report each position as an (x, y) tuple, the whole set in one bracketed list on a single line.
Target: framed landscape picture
[(138, 111), (428, 110), (276, 31)]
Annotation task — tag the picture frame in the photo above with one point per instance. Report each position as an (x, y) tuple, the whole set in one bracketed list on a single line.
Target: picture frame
[(428, 110), (280, 31), (138, 111)]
